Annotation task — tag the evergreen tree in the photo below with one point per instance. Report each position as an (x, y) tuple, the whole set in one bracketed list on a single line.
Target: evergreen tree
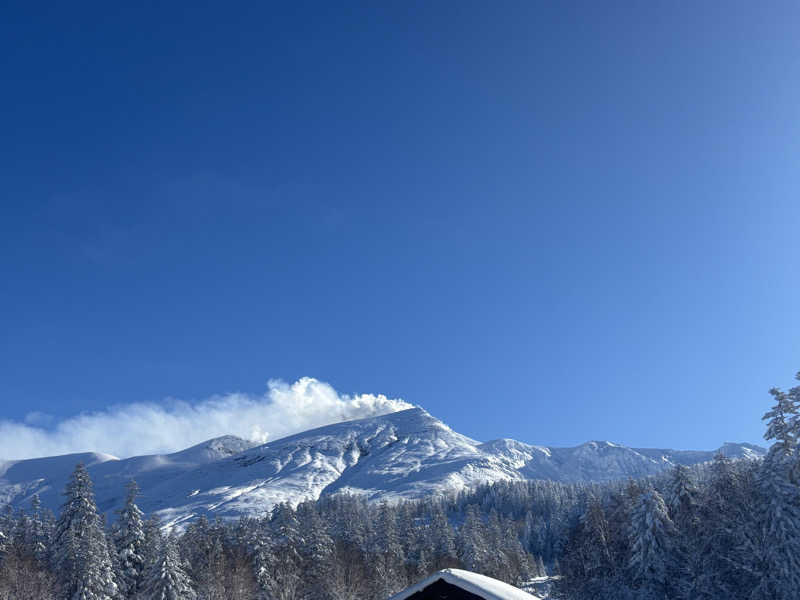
[(166, 578), (777, 548), (682, 497), (316, 553), (280, 566), (683, 502), (794, 424), (588, 568), (40, 532), (263, 563), (519, 565), (387, 556), (6, 528), (652, 534), (595, 546), (441, 540), (347, 518), (495, 562), (129, 540), (472, 542), (80, 552), (3, 544), (782, 421), (210, 578), (719, 534), (153, 541)]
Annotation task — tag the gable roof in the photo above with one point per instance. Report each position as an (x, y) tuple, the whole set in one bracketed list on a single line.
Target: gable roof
[(480, 585)]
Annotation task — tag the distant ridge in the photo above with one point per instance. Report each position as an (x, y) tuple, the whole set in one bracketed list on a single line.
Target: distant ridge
[(407, 454)]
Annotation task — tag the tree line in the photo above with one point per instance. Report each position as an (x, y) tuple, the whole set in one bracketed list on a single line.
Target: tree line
[(730, 529), (338, 548)]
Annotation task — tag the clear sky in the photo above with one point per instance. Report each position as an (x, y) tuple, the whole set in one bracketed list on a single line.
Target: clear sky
[(552, 221)]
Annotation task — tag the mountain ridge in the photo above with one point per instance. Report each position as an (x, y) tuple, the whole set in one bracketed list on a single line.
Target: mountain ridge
[(402, 455)]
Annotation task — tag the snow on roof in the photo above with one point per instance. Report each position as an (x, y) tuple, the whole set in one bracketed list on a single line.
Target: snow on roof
[(480, 585)]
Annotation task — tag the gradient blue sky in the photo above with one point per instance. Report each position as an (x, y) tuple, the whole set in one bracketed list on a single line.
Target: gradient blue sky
[(548, 221)]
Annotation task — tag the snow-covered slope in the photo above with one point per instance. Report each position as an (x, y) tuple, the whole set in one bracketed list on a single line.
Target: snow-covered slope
[(19, 480), (407, 454), (22, 478)]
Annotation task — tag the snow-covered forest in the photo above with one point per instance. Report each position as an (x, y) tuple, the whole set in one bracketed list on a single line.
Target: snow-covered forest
[(725, 530)]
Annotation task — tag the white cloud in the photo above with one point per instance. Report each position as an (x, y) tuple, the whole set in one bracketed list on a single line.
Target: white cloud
[(145, 428)]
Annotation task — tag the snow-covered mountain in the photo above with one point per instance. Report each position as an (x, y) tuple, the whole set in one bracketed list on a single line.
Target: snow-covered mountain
[(407, 454)]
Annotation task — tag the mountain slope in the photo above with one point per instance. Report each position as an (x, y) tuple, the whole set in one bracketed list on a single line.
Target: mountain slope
[(19, 480), (407, 454)]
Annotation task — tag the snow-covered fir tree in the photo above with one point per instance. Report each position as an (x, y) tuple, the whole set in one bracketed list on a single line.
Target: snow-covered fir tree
[(80, 552), (652, 544), (683, 500), (588, 564), (387, 554), (166, 578), (316, 553), (719, 534), (40, 533), (7, 523), (279, 564), (349, 573), (782, 422), (778, 546), (441, 540), (153, 541), (129, 541), (472, 545), (262, 556), (682, 496), (209, 577)]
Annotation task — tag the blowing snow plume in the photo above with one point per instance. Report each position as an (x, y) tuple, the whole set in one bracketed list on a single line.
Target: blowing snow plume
[(146, 428)]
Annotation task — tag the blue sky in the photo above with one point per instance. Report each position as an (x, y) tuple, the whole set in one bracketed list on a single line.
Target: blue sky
[(548, 221)]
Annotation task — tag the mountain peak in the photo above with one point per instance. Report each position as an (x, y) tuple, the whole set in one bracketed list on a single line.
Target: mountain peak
[(742, 450), (214, 449)]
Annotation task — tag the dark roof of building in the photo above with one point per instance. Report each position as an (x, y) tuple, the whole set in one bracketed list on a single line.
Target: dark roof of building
[(456, 584)]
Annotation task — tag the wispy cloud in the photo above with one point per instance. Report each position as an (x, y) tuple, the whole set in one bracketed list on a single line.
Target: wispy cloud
[(145, 428)]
